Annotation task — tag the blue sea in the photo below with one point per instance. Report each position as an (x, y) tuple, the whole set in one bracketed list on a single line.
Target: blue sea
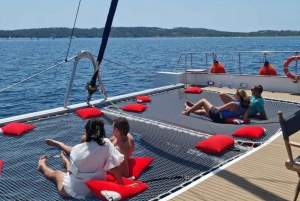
[(22, 58)]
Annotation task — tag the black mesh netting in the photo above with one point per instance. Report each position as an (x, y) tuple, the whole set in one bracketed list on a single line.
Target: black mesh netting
[(166, 107), (173, 150)]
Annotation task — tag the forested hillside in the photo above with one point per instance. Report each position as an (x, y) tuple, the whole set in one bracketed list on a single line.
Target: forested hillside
[(133, 32)]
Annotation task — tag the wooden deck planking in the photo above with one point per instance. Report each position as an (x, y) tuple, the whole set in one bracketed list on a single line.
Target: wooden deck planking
[(259, 176)]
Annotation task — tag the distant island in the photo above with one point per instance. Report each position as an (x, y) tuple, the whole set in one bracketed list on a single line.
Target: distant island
[(138, 32)]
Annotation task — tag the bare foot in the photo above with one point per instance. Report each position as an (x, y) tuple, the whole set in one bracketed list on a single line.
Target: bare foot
[(42, 162), (53, 143), (186, 113), (65, 161), (188, 104)]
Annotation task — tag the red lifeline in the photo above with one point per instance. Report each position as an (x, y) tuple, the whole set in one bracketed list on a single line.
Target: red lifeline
[(217, 67), (286, 68), (267, 69)]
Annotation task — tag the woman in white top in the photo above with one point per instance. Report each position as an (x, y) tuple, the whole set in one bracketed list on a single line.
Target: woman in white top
[(88, 161)]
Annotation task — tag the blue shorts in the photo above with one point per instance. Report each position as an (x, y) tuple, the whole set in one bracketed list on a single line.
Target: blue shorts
[(215, 115)]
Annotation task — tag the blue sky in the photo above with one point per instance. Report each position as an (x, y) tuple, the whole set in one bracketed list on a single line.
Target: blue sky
[(223, 15)]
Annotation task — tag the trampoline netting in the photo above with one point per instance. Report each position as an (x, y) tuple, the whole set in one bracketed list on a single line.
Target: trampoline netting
[(167, 106), (21, 180), (176, 161)]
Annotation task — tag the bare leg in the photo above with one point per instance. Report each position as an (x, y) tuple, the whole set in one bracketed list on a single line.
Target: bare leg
[(58, 144), (187, 107), (202, 103), (226, 98), (56, 176), (201, 112), (189, 103), (65, 161)]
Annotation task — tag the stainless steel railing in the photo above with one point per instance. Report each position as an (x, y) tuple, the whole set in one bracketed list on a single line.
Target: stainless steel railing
[(189, 60)]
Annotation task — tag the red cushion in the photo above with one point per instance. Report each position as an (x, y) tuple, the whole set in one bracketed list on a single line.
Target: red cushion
[(236, 120), (15, 128), (215, 144), (134, 107), (1, 163), (251, 132), (112, 191), (136, 167), (143, 99), (195, 90), (89, 112)]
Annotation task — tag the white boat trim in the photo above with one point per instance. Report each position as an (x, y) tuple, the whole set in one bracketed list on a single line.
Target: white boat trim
[(270, 83), (221, 168), (72, 108)]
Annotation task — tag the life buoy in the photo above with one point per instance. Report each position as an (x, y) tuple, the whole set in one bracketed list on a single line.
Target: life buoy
[(267, 69), (286, 68), (217, 67)]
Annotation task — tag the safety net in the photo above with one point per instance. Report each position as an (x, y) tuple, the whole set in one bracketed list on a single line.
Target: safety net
[(161, 132), (21, 180), (167, 106)]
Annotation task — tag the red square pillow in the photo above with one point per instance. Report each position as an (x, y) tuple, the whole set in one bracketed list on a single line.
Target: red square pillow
[(215, 144), (251, 132), (89, 112), (1, 163), (196, 90), (134, 107), (15, 128), (143, 99), (236, 120), (136, 167), (112, 191)]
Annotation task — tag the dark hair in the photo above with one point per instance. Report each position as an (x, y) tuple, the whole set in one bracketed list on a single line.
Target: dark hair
[(245, 100), (122, 125), (95, 131), (258, 88)]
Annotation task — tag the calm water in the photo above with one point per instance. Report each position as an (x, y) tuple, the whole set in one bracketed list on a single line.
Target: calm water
[(21, 58)]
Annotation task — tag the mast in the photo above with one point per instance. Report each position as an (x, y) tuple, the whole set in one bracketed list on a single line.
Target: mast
[(92, 85)]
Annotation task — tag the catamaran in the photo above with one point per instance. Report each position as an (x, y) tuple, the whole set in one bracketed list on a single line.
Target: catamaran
[(250, 169)]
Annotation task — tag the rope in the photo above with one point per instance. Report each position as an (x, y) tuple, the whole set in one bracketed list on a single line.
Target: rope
[(72, 32), (153, 76), (35, 75), (105, 97), (185, 177), (118, 64)]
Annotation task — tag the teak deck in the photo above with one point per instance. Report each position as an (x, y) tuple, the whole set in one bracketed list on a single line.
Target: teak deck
[(259, 176)]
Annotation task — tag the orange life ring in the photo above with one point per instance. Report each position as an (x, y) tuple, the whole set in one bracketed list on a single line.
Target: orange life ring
[(286, 68)]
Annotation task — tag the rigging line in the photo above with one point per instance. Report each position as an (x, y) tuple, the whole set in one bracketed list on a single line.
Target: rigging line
[(106, 98), (35, 75), (72, 32), (153, 76)]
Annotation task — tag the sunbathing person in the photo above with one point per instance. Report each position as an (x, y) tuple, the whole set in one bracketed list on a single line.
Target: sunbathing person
[(256, 108), (234, 108), (122, 140), (89, 160)]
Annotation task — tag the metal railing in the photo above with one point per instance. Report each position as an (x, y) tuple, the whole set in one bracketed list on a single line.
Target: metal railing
[(81, 55), (189, 58)]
